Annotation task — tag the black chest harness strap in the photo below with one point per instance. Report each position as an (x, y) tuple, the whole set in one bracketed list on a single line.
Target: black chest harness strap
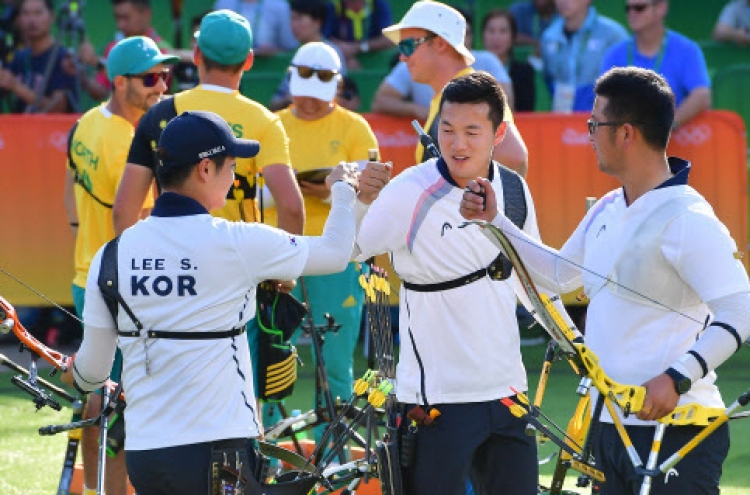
[(108, 284), (514, 202)]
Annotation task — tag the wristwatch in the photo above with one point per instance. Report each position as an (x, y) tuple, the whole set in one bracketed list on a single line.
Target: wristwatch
[(682, 383), (364, 47)]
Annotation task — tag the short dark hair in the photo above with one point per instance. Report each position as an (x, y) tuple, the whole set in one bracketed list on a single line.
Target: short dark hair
[(211, 64), (640, 97), (137, 3), (317, 9), (170, 177), (477, 87)]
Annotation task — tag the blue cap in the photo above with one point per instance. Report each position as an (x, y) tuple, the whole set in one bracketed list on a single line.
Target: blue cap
[(135, 55), (192, 136), (225, 37)]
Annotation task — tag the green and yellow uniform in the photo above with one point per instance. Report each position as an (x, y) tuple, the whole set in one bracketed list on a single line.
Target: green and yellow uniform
[(98, 149), (248, 119)]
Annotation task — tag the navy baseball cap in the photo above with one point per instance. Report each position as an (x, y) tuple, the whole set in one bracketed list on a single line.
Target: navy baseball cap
[(192, 136)]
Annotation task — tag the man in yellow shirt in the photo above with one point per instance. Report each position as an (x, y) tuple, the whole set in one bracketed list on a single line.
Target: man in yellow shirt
[(223, 53), (430, 39), (322, 134), (97, 148)]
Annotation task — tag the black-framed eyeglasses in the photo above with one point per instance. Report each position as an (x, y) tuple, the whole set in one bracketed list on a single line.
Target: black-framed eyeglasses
[(325, 75), (593, 124), (408, 46), (151, 79), (637, 7)]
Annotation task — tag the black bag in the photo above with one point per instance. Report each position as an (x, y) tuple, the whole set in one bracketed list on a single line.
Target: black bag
[(278, 316)]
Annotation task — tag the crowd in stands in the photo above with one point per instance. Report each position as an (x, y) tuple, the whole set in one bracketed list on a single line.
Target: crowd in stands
[(561, 47)]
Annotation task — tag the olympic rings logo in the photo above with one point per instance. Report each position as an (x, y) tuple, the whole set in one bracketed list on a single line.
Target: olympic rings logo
[(59, 140), (694, 135)]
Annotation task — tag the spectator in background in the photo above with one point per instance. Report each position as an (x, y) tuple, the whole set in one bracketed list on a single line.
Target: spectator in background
[(347, 95), (499, 33), (678, 59), (10, 41), (307, 20), (132, 18), (185, 72), (323, 134), (401, 96), (733, 24), (35, 77), (269, 20), (532, 18), (572, 50), (431, 40), (356, 27)]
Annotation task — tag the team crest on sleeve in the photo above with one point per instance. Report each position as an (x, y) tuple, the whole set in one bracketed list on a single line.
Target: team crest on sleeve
[(293, 241)]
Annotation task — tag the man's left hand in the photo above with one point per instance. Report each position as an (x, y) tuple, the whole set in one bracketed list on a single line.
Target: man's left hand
[(661, 398)]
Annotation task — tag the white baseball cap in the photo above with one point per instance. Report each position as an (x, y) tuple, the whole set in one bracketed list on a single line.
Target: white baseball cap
[(318, 56), (441, 19)]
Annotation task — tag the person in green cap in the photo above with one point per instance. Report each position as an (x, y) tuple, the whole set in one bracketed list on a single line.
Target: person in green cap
[(97, 148)]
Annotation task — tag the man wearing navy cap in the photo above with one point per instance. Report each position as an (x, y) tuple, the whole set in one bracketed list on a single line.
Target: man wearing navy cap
[(97, 148), (189, 280)]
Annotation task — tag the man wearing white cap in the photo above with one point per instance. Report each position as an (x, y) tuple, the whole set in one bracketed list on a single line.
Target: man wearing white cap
[(322, 134), (430, 39)]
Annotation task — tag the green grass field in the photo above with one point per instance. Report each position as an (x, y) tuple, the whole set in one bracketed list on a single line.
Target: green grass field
[(31, 464)]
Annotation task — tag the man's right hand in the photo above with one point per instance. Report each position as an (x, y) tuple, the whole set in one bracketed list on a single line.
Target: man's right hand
[(479, 201), (372, 180)]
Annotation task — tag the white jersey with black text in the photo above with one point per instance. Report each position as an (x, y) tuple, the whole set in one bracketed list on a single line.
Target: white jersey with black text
[(656, 261), (457, 345), (200, 276)]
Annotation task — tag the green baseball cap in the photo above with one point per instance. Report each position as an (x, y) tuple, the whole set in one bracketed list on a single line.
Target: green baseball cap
[(135, 55), (225, 37)]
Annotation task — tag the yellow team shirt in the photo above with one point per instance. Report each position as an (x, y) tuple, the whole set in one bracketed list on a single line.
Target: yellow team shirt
[(99, 149), (339, 136), (249, 120), (435, 106)]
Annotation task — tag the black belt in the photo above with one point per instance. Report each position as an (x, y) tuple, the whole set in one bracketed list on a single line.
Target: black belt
[(499, 269), (161, 334)]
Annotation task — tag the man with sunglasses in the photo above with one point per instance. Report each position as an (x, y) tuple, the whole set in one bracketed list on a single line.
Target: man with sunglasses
[(677, 58), (431, 40), (97, 149), (669, 296)]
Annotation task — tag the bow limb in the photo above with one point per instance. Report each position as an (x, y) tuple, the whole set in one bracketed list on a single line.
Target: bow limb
[(9, 322), (628, 397)]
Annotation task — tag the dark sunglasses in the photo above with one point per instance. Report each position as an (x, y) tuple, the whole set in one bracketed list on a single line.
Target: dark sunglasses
[(637, 7), (151, 79), (325, 75), (408, 46)]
